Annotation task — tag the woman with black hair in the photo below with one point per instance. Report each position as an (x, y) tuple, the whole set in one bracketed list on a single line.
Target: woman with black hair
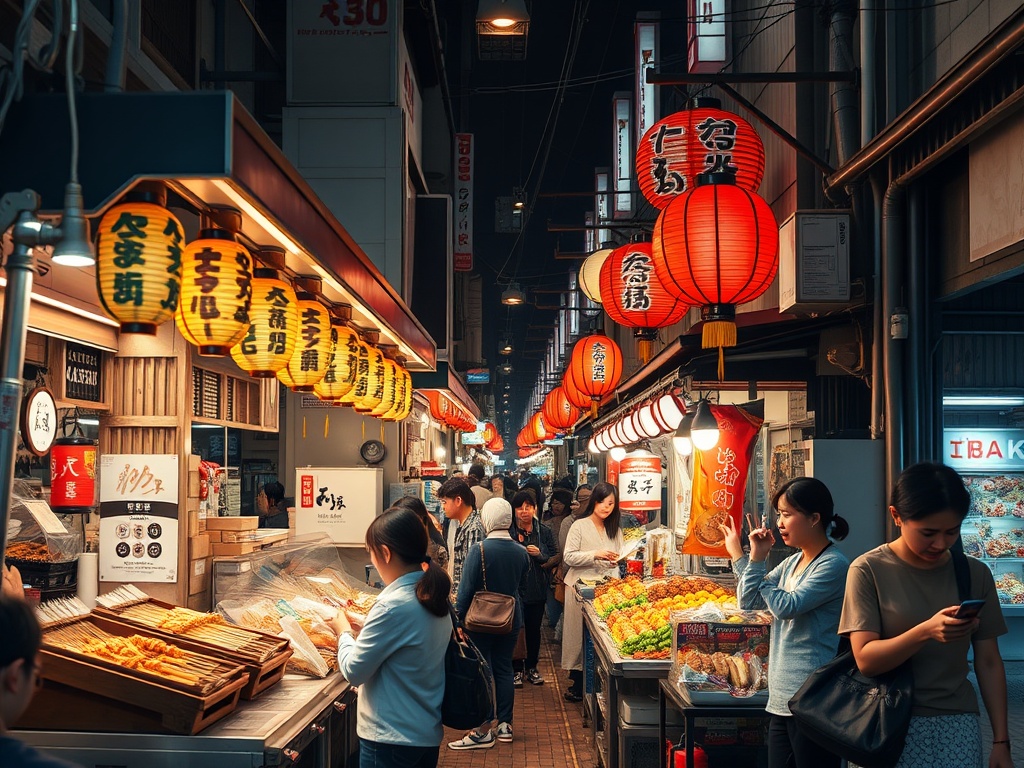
[(436, 548), (805, 596), (901, 603), (591, 552), (398, 657)]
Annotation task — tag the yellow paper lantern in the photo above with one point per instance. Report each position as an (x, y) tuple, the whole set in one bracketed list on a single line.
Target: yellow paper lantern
[(312, 355), (341, 373), (138, 269), (387, 402), (374, 381), (362, 375), (273, 325), (403, 396), (216, 292), (590, 274)]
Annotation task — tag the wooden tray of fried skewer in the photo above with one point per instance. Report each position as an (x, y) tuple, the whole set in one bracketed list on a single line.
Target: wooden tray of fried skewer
[(80, 691), (264, 656)]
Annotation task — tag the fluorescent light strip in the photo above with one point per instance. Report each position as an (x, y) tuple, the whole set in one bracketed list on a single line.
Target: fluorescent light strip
[(992, 401), (256, 215), (68, 307)]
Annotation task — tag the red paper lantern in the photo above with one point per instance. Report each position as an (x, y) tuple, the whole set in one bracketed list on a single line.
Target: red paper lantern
[(717, 247), (559, 413), (539, 428), (595, 368), (633, 295), (704, 139), (73, 475), (572, 394)]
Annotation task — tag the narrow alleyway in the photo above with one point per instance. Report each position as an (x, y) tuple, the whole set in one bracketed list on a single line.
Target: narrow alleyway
[(548, 730)]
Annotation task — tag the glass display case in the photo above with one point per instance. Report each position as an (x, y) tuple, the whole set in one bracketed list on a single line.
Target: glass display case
[(993, 532)]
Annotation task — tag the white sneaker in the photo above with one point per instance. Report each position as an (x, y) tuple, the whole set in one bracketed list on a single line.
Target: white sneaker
[(474, 740), (504, 732)]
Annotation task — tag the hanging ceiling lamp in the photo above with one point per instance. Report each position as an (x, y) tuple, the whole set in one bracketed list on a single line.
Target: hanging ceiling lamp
[(717, 247), (633, 296), (138, 273), (513, 296), (702, 139), (502, 28), (313, 351), (682, 440), (704, 429), (273, 319)]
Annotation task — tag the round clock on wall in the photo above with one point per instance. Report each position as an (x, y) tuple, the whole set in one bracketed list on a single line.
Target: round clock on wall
[(372, 451)]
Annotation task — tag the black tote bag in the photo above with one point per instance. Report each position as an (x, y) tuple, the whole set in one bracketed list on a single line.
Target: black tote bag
[(468, 688)]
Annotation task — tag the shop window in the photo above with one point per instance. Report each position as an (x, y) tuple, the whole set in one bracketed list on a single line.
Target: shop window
[(206, 393)]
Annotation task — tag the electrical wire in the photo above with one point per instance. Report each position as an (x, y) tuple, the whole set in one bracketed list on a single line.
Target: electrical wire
[(69, 83), (12, 77)]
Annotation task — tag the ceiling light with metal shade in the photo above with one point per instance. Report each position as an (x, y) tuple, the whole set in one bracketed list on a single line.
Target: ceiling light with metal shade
[(513, 296)]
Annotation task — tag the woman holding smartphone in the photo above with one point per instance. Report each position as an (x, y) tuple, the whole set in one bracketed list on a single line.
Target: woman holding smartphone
[(805, 596), (902, 603)]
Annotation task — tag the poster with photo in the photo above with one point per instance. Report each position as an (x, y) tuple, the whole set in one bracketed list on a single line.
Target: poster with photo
[(139, 518)]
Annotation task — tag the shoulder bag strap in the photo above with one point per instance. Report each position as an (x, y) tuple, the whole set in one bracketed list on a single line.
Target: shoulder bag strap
[(962, 569), (483, 565)]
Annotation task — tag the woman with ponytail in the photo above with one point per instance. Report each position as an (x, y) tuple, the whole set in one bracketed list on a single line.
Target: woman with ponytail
[(805, 596), (397, 656)]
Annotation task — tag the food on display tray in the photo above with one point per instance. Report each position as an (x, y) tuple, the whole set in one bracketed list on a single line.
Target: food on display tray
[(1010, 589)]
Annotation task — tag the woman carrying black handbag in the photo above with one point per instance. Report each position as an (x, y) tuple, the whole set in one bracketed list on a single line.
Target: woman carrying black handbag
[(901, 603), (497, 565)]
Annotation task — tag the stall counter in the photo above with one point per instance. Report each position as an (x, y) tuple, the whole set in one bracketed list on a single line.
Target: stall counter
[(300, 720)]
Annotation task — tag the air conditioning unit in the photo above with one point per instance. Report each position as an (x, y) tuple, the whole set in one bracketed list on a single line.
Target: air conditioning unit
[(814, 262)]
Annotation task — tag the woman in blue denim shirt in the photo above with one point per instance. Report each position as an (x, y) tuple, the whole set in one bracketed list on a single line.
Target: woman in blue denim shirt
[(398, 657), (805, 596)]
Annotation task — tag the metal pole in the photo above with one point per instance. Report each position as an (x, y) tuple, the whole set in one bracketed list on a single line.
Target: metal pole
[(21, 267)]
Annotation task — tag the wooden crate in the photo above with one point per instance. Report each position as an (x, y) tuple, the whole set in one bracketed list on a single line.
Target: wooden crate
[(80, 692), (261, 675)]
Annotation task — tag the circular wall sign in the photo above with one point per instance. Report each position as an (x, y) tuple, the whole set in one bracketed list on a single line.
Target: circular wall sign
[(39, 421)]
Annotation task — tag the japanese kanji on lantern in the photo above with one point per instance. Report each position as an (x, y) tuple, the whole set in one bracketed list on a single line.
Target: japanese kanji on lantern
[(73, 475), (389, 379), (633, 295), (138, 266), (403, 394), (716, 247), (340, 377), (216, 287), (312, 354), (595, 368), (702, 139), (273, 326), (374, 381), (559, 413), (640, 485)]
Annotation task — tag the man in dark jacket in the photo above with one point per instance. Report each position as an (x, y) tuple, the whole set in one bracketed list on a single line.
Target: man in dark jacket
[(271, 506), (540, 544)]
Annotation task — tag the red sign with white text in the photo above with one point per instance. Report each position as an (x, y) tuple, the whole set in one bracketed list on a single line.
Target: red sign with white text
[(307, 492), (463, 203)]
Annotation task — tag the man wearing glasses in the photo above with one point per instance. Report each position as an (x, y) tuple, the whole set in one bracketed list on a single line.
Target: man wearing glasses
[(20, 638)]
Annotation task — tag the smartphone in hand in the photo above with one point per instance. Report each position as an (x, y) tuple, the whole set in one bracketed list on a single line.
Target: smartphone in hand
[(969, 609)]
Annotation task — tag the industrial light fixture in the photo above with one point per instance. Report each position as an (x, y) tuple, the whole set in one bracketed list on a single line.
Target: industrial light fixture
[(618, 453), (505, 347), (505, 368), (982, 401), (704, 430), (513, 295), (682, 440), (502, 27), (74, 248), (518, 198)]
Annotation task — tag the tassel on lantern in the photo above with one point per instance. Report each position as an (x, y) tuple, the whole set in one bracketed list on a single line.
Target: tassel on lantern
[(327, 424), (644, 349), (721, 334), (593, 409), (303, 427)]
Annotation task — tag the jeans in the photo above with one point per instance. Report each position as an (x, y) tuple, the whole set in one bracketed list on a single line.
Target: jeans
[(375, 754), (788, 748), (497, 650), (533, 615), (554, 609)]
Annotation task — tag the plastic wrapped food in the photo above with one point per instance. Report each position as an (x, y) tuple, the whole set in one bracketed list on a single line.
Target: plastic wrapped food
[(35, 534)]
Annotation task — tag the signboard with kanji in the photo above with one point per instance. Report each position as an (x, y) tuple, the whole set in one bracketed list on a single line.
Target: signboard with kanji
[(462, 237), (339, 502), (139, 517)]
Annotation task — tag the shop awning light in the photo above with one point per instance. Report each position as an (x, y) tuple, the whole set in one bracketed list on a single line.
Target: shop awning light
[(502, 27), (704, 430), (682, 439), (982, 401)]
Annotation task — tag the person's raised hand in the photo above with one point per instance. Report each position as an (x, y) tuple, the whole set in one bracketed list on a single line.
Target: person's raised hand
[(761, 542), (732, 538)]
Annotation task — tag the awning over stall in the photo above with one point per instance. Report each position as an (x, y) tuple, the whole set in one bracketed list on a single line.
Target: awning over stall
[(211, 152)]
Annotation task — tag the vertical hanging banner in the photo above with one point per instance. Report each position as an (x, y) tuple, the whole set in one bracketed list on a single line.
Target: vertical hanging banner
[(139, 517), (602, 204), (707, 41), (720, 480), (622, 149), (645, 36), (463, 219)]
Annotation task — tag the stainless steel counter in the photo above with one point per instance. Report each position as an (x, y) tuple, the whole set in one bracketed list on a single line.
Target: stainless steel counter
[(297, 722)]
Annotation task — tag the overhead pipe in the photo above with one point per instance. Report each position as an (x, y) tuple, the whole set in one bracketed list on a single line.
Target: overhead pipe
[(844, 94), (868, 70), (917, 293), (1003, 42), (117, 64)]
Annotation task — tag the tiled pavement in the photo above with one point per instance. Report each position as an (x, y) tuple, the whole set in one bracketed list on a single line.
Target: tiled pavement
[(548, 730), (1015, 698)]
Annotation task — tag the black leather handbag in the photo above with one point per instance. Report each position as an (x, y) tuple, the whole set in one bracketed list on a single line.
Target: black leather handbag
[(468, 688), (862, 719)]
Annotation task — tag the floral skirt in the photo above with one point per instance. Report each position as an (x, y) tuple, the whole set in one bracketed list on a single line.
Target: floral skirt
[(947, 740)]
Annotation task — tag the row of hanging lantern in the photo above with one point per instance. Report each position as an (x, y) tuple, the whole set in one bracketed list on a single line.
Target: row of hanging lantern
[(224, 303), (448, 412), (653, 418), (715, 242)]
